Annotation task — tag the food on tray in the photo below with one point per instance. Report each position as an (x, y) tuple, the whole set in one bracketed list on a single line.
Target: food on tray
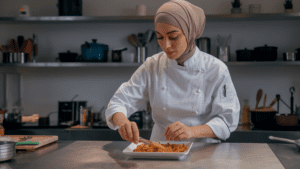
[(167, 148)]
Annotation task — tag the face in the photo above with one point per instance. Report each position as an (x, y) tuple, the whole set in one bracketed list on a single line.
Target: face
[(171, 40)]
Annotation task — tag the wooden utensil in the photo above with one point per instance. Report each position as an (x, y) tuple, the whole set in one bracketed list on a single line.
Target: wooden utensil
[(258, 97), (2, 49), (24, 45), (12, 46), (265, 99), (15, 45), (273, 102)]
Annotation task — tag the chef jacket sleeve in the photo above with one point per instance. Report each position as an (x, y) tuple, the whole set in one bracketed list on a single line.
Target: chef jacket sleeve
[(129, 97), (225, 107)]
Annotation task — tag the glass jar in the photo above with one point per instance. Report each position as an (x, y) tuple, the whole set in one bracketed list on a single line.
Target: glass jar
[(246, 113)]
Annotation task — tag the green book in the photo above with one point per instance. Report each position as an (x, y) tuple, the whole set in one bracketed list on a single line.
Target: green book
[(26, 143)]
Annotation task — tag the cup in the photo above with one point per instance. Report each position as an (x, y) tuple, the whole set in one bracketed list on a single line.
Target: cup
[(289, 56), (223, 53), (141, 54), (141, 10)]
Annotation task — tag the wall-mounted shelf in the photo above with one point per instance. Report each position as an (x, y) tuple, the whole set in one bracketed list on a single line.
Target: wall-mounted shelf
[(70, 64), (218, 17), (114, 64)]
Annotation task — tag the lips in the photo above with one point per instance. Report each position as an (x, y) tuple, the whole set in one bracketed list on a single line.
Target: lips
[(170, 52)]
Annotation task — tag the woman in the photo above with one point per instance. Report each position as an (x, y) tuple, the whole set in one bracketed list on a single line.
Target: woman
[(191, 92)]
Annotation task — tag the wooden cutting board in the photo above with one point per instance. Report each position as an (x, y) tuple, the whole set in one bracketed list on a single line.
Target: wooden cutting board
[(43, 140)]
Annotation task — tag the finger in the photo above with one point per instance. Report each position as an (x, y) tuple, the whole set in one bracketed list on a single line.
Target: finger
[(122, 133), (168, 130), (136, 134), (177, 133), (129, 132), (172, 131), (179, 137), (170, 126)]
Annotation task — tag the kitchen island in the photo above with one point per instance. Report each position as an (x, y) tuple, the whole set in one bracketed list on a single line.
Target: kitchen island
[(108, 154), (241, 135)]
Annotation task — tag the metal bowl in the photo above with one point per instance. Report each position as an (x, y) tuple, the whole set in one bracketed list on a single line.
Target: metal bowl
[(7, 150)]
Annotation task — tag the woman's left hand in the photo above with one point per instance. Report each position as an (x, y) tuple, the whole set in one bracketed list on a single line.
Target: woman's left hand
[(178, 131)]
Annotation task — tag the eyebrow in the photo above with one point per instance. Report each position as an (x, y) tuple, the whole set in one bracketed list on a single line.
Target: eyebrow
[(168, 32)]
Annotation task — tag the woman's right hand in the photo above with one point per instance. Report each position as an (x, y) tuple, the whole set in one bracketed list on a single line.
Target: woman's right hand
[(130, 132)]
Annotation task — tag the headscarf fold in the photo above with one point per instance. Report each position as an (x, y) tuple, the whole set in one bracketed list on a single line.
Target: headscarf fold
[(186, 16)]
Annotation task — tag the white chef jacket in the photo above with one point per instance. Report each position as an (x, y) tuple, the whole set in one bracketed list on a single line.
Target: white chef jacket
[(200, 92)]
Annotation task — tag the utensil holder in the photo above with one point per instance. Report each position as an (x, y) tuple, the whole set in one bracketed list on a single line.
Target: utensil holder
[(141, 54), (223, 53)]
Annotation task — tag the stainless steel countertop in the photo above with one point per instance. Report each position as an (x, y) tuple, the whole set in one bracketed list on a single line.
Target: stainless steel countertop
[(108, 154)]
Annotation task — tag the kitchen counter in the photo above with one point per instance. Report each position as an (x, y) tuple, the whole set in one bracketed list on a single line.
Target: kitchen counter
[(243, 134), (108, 154)]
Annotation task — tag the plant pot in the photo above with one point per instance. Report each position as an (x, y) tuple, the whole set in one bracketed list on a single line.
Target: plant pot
[(236, 10), (287, 120)]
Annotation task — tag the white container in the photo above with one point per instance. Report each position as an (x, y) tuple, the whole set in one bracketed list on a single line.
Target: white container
[(129, 58), (254, 8), (26, 12), (141, 10)]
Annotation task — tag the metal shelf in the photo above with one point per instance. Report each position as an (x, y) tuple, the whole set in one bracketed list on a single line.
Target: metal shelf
[(70, 64), (266, 63), (218, 17), (114, 64)]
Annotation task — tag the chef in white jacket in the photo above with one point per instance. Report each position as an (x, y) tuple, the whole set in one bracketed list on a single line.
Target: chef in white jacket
[(190, 92)]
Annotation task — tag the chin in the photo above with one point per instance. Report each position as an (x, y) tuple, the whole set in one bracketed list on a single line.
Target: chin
[(172, 56)]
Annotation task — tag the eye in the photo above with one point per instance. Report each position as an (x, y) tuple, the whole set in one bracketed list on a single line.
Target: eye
[(170, 38)]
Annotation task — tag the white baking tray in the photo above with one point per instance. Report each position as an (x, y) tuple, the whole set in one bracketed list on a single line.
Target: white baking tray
[(158, 155)]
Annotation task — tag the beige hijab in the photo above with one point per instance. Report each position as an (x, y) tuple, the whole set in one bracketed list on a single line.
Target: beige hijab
[(186, 16)]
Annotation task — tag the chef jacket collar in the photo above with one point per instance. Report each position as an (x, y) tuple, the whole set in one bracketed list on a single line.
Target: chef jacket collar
[(194, 63)]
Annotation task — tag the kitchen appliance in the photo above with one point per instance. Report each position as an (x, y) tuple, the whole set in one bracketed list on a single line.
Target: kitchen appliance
[(203, 44), (94, 52), (12, 120), (245, 55), (265, 53), (69, 7), (117, 55), (68, 56), (69, 112)]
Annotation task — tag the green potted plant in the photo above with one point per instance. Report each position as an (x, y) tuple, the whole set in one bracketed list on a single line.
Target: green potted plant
[(288, 6), (236, 7)]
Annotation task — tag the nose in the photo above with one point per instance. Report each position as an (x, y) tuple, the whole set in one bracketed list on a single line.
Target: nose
[(167, 43)]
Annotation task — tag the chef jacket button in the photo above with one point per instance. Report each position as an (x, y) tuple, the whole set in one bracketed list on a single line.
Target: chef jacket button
[(198, 91), (164, 109), (163, 88)]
